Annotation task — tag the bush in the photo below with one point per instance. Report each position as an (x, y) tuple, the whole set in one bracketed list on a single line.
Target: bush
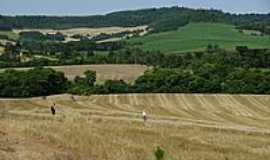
[(159, 153), (116, 86)]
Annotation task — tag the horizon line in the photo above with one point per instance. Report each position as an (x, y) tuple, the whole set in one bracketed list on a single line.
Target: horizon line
[(133, 9)]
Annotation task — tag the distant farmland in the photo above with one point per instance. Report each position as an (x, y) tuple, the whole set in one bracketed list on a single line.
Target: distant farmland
[(186, 126), (196, 36), (104, 72), (84, 31), (14, 34)]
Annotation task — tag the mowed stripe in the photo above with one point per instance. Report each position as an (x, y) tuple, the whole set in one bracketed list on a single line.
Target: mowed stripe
[(236, 111)]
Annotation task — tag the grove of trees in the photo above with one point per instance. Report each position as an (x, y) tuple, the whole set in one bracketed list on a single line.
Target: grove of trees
[(34, 82)]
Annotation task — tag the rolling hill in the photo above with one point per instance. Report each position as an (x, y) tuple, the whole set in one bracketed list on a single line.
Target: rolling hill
[(186, 126), (197, 36)]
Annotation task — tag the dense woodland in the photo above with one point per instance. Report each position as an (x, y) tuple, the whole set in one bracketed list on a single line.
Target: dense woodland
[(34, 82), (174, 16)]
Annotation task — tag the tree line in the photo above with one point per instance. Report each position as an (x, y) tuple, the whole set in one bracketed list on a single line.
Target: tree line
[(76, 53), (208, 78), (157, 18)]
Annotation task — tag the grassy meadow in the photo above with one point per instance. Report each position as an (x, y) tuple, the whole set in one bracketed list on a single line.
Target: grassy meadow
[(197, 36)]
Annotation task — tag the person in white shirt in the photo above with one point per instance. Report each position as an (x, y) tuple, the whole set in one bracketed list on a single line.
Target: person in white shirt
[(144, 116)]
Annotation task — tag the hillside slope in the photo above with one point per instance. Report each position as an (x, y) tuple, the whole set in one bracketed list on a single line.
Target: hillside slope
[(187, 126), (196, 36)]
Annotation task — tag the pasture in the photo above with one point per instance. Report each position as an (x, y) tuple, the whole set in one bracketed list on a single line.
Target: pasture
[(186, 126), (197, 36)]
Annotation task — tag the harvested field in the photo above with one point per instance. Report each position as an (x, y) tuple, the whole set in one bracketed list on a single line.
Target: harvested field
[(85, 31), (186, 126), (104, 72)]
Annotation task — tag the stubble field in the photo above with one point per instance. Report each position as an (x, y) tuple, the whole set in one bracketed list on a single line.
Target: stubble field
[(186, 126)]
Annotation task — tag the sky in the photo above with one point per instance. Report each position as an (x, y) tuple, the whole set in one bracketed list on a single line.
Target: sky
[(93, 7)]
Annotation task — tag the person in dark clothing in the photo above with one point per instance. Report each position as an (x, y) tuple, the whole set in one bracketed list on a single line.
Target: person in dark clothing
[(53, 109), (73, 98)]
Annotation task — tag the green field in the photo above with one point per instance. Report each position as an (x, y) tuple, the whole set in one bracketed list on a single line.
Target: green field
[(197, 36)]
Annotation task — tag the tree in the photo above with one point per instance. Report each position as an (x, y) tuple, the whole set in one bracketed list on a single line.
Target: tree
[(90, 77), (116, 86), (12, 51)]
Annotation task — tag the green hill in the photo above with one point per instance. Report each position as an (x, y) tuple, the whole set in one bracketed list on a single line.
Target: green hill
[(196, 36)]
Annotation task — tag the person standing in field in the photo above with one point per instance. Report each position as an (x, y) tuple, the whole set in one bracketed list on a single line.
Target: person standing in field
[(53, 111), (144, 116), (73, 98)]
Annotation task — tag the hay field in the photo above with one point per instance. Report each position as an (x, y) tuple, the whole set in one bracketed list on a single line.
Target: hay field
[(110, 127), (84, 31), (128, 73)]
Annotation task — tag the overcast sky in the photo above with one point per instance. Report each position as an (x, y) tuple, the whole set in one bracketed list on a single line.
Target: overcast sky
[(90, 7)]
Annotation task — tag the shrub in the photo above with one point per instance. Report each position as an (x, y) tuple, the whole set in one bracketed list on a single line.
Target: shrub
[(159, 153)]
